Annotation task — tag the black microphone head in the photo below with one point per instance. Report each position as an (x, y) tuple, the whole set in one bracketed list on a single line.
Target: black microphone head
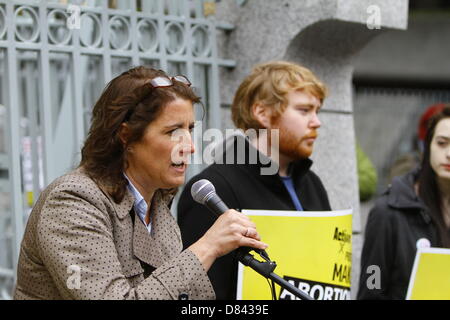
[(202, 190)]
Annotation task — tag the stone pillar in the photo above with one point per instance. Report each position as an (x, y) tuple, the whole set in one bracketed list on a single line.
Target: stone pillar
[(323, 35)]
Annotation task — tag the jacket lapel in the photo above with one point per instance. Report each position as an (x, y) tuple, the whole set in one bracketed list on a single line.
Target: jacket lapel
[(123, 232), (145, 248), (124, 207), (164, 242)]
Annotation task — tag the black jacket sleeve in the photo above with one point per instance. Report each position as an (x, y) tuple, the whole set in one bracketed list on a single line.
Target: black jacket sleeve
[(378, 253), (195, 219)]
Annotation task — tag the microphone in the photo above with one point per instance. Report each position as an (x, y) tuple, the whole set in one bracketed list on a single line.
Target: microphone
[(203, 192)]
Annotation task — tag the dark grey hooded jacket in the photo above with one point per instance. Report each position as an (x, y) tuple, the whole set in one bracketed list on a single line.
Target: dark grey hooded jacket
[(398, 220)]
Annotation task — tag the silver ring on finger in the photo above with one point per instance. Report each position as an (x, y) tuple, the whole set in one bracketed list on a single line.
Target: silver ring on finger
[(247, 232)]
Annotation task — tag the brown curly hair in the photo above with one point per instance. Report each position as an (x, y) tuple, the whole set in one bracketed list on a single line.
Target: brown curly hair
[(127, 98)]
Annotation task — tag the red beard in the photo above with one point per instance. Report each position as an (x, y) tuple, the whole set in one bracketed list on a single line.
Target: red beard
[(294, 147)]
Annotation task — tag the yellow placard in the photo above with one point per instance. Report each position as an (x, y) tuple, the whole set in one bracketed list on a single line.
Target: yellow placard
[(313, 252), (430, 277)]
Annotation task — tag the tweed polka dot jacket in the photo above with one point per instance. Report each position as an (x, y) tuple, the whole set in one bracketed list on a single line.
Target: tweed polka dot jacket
[(80, 244)]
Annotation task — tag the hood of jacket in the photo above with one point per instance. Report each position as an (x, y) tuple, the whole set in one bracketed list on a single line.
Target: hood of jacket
[(402, 195)]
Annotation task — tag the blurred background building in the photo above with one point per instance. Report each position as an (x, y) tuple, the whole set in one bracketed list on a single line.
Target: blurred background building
[(397, 76), (384, 61)]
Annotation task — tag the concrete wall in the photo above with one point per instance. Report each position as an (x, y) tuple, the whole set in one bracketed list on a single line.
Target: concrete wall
[(418, 54), (324, 35)]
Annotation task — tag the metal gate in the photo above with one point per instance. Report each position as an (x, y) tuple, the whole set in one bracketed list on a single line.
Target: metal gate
[(55, 58)]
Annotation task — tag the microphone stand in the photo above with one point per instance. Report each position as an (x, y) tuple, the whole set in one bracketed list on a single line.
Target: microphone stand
[(266, 270)]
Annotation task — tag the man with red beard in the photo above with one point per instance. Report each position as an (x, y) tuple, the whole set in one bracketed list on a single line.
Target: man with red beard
[(276, 107)]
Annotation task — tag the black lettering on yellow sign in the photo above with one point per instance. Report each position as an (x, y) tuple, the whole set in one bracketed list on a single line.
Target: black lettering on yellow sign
[(317, 290), (343, 235), (342, 273)]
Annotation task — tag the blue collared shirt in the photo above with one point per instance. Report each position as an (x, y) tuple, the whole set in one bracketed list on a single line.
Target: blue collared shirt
[(140, 206)]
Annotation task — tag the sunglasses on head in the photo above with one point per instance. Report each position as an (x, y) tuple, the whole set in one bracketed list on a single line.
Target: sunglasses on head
[(161, 82), (164, 82)]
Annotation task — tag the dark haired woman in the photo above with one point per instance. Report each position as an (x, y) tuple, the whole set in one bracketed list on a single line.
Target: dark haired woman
[(104, 231), (413, 212)]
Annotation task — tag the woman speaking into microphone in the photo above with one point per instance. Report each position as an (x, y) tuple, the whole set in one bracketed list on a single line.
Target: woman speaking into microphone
[(104, 230)]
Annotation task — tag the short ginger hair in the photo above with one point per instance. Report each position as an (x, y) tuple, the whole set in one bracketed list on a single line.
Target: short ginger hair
[(269, 84)]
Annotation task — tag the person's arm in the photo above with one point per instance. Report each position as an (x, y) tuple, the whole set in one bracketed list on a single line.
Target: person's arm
[(74, 230), (377, 254)]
